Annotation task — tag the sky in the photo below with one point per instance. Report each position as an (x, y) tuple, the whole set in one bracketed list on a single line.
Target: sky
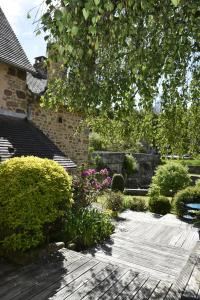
[(16, 13)]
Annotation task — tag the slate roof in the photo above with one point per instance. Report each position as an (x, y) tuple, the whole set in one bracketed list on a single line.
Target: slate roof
[(11, 51), (20, 137)]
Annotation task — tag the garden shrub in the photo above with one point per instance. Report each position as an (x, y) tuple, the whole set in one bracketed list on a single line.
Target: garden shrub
[(114, 201), (88, 185), (136, 204), (161, 205), (98, 163), (188, 195), (154, 191), (198, 183), (171, 178), (117, 183), (86, 227), (95, 141), (129, 164), (34, 194)]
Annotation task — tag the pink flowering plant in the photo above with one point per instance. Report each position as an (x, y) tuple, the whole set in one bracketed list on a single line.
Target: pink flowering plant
[(88, 184)]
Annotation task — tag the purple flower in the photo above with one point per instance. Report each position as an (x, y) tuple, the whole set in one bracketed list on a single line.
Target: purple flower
[(88, 172), (107, 182), (104, 172), (85, 173)]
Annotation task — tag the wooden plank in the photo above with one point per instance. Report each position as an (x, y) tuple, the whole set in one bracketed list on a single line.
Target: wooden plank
[(140, 260), (119, 286), (146, 289), (108, 282), (33, 268), (193, 284), (191, 240), (92, 283), (179, 286), (70, 288), (131, 290), (116, 259), (59, 283), (35, 273), (160, 291), (54, 281), (34, 284), (152, 252), (148, 244)]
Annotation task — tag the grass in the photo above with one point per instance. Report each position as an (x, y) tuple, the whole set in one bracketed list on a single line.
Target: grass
[(126, 200)]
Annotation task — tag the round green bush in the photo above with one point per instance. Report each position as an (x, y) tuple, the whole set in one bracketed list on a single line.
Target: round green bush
[(34, 194), (154, 191), (188, 195), (114, 201), (161, 205), (171, 178), (118, 184), (136, 204)]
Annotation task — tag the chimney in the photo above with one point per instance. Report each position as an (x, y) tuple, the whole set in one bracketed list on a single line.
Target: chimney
[(41, 67)]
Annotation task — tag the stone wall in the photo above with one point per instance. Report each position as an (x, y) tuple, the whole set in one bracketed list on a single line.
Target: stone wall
[(60, 127), (13, 91), (147, 163), (64, 129)]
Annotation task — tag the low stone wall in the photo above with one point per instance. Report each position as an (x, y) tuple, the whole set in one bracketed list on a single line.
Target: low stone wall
[(147, 163)]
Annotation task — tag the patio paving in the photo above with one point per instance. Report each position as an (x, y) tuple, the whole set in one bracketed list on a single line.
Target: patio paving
[(148, 257)]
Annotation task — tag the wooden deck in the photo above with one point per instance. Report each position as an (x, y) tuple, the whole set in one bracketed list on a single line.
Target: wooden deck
[(147, 257)]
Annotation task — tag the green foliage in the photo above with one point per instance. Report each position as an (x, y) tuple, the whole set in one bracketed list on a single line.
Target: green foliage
[(123, 59), (130, 164), (118, 183), (114, 201), (170, 178), (135, 203), (118, 134), (198, 183), (97, 162), (95, 142), (188, 195), (127, 58), (154, 191), (85, 228), (161, 205), (35, 193)]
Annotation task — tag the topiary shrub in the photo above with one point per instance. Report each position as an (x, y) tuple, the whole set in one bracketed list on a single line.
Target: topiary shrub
[(188, 195), (114, 201), (34, 195), (171, 178), (161, 205), (129, 164), (117, 183)]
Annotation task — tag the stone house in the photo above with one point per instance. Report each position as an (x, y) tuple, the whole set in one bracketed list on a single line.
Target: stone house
[(25, 127)]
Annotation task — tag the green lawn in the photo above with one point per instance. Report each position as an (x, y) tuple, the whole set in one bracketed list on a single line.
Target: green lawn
[(188, 162), (102, 199)]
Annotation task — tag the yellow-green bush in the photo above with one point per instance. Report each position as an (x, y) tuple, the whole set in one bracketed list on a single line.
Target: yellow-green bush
[(34, 195), (189, 195)]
